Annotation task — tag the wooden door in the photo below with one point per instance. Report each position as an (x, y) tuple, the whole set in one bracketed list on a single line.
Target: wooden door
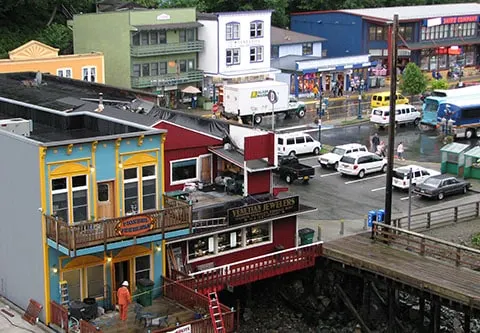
[(105, 200), (206, 169)]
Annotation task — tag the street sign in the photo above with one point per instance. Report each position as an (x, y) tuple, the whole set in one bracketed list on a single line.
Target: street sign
[(272, 96)]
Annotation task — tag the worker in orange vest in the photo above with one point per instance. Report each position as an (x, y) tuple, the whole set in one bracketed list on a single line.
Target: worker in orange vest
[(124, 298)]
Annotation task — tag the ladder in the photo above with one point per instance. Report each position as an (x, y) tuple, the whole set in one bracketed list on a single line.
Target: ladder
[(216, 313), (64, 298)]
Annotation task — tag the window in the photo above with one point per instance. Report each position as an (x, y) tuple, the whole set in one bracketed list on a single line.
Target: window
[(256, 54), (182, 171), (95, 281), (145, 69), (191, 65), (142, 267), (136, 39), (153, 37), (162, 37), (64, 72), (307, 49), (162, 68), (74, 280), (275, 51), (377, 33), (103, 195), (89, 74), (257, 234), (290, 141), (154, 69), (229, 240), (232, 31), (136, 70), (300, 139), (139, 182), (200, 247), (183, 66), (280, 141), (144, 38), (406, 32), (233, 56), (70, 189), (309, 139), (187, 35), (256, 29)]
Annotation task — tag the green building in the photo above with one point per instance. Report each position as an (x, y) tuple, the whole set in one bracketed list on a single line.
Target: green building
[(153, 50)]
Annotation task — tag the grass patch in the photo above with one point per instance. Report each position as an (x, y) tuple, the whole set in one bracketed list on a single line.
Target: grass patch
[(325, 149), (353, 121), (476, 240)]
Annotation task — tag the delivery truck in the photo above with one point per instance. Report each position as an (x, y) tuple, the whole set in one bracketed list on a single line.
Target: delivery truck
[(250, 102)]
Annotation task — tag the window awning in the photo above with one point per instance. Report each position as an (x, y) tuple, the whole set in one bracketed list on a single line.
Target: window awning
[(431, 44), (235, 157), (167, 26)]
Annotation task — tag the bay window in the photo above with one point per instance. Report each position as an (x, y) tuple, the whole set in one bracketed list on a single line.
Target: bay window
[(70, 198), (140, 189)]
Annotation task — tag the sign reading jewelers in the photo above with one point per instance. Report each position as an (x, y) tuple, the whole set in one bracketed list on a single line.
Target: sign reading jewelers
[(183, 329), (134, 225), (264, 210)]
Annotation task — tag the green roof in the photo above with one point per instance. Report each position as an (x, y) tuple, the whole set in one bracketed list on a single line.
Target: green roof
[(455, 147), (474, 152)]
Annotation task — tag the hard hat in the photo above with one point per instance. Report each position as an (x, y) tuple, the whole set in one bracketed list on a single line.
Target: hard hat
[(125, 283)]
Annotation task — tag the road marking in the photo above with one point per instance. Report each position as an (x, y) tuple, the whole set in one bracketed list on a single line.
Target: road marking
[(378, 189), (330, 174), (362, 179)]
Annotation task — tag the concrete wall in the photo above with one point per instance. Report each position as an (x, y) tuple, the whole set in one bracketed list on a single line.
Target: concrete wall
[(21, 254), (208, 59)]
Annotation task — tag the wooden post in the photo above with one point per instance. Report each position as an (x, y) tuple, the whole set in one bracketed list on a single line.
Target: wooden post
[(466, 322), (455, 214), (477, 208), (436, 315), (366, 299), (238, 315), (421, 300), (391, 307), (319, 233), (342, 227), (429, 220)]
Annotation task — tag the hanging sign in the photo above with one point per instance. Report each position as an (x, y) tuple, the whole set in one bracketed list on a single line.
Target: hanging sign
[(135, 225), (183, 329)]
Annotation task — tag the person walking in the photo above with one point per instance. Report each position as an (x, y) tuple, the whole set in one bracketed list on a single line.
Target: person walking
[(401, 151), (375, 142), (124, 299), (381, 149)]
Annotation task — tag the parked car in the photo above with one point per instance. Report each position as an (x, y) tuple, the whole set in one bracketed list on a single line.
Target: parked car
[(441, 186), (332, 158), (404, 114), (290, 169), (383, 99), (361, 163), (401, 177), (292, 144)]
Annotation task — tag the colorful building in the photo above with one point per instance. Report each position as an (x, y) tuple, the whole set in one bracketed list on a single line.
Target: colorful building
[(83, 191), (436, 37), (152, 50), (35, 56)]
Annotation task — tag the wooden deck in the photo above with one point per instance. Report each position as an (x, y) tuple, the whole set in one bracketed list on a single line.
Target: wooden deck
[(439, 277)]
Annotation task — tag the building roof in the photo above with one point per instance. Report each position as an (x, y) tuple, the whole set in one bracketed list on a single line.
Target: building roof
[(289, 62), (281, 36), (214, 16), (408, 13)]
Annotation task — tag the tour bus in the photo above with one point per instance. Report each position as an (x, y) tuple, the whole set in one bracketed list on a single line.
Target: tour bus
[(432, 102), (463, 113)]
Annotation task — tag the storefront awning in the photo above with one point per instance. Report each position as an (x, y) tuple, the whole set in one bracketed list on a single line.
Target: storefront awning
[(431, 44), (235, 157), (168, 26)]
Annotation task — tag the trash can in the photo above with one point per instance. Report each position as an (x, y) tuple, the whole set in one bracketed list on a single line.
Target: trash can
[(372, 217), (144, 289), (381, 215), (306, 236)]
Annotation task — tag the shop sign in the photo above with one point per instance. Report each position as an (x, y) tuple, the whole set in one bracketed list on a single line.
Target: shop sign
[(135, 225), (262, 210), (459, 19), (183, 329)]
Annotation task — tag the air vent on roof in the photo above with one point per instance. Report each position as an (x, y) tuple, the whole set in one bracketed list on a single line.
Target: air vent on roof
[(17, 125)]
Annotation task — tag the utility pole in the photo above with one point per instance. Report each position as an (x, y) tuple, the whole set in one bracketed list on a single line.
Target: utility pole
[(391, 125)]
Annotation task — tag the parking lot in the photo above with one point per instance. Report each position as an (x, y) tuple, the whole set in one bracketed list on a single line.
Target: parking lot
[(342, 197)]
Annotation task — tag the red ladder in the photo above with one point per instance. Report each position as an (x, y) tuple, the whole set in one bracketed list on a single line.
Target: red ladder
[(216, 313)]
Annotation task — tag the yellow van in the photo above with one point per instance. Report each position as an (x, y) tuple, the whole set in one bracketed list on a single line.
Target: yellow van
[(383, 99)]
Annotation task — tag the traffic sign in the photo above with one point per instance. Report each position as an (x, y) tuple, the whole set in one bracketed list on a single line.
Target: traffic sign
[(272, 96)]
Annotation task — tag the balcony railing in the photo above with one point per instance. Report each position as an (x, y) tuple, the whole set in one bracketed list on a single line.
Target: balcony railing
[(166, 79), (252, 269), (177, 215), (165, 49)]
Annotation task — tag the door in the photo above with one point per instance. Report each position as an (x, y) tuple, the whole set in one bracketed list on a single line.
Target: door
[(206, 169), (301, 145), (121, 273), (105, 200)]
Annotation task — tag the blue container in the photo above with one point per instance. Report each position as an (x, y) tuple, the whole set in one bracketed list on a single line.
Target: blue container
[(381, 215), (372, 217)]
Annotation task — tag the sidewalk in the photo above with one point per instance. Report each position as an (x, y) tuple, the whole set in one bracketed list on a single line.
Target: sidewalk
[(11, 320)]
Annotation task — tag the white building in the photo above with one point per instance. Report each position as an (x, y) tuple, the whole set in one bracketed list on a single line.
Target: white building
[(237, 49)]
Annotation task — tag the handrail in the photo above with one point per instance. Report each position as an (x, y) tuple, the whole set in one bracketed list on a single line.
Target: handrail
[(264, 256)]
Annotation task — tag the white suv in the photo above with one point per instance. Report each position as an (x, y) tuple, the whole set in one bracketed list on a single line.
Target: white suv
[(359, 164), (404, 113), (401, 176), (332, 158)]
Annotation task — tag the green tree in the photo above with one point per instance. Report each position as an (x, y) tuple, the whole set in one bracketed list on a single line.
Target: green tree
[(57, 35), (439, 84), (413, 81)]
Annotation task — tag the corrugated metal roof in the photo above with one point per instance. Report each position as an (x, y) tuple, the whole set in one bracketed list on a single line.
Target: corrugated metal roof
[(474, 152), (455, 147), (417, 12), (281, 36)]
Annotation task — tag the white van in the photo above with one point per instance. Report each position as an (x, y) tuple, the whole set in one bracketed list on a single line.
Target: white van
[(401, 176), (405, 113), (332, 158), (291, 144)]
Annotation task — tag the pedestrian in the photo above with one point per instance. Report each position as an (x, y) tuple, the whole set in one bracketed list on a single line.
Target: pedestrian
[(381, 149), (124, 299), (401, 151), (375, 142)]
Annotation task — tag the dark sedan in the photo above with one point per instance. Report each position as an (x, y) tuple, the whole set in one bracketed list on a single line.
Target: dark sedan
[(440, 186)]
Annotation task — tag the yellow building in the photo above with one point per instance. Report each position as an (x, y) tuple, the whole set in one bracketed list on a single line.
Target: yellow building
[(35, 56)]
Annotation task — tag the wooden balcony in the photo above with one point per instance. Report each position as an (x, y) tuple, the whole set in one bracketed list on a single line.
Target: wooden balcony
[(176, 215), (166, 49), (166, 79), (251, 270)]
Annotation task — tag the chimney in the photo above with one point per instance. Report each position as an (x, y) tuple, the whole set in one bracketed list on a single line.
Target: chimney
[(100, 103)]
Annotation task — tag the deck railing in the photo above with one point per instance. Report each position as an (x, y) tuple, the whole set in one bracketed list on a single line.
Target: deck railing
[(458, 255), (191, 299), (176, 215), (254, 269), (59, 316)]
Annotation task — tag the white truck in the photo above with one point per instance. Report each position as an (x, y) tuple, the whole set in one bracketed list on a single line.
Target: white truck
[(250, 102)]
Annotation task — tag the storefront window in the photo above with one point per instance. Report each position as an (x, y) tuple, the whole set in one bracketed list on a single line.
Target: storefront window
[(442, 61), (74, 282), (95, 281), (452, 60), (306, 82), (200, 247), (433, 63), (258, 234), (229, 240), (142, 267), (183, 170)]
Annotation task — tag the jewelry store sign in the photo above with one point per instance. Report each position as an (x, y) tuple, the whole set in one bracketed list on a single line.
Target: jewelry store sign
[(183, 329), (264, 210)]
